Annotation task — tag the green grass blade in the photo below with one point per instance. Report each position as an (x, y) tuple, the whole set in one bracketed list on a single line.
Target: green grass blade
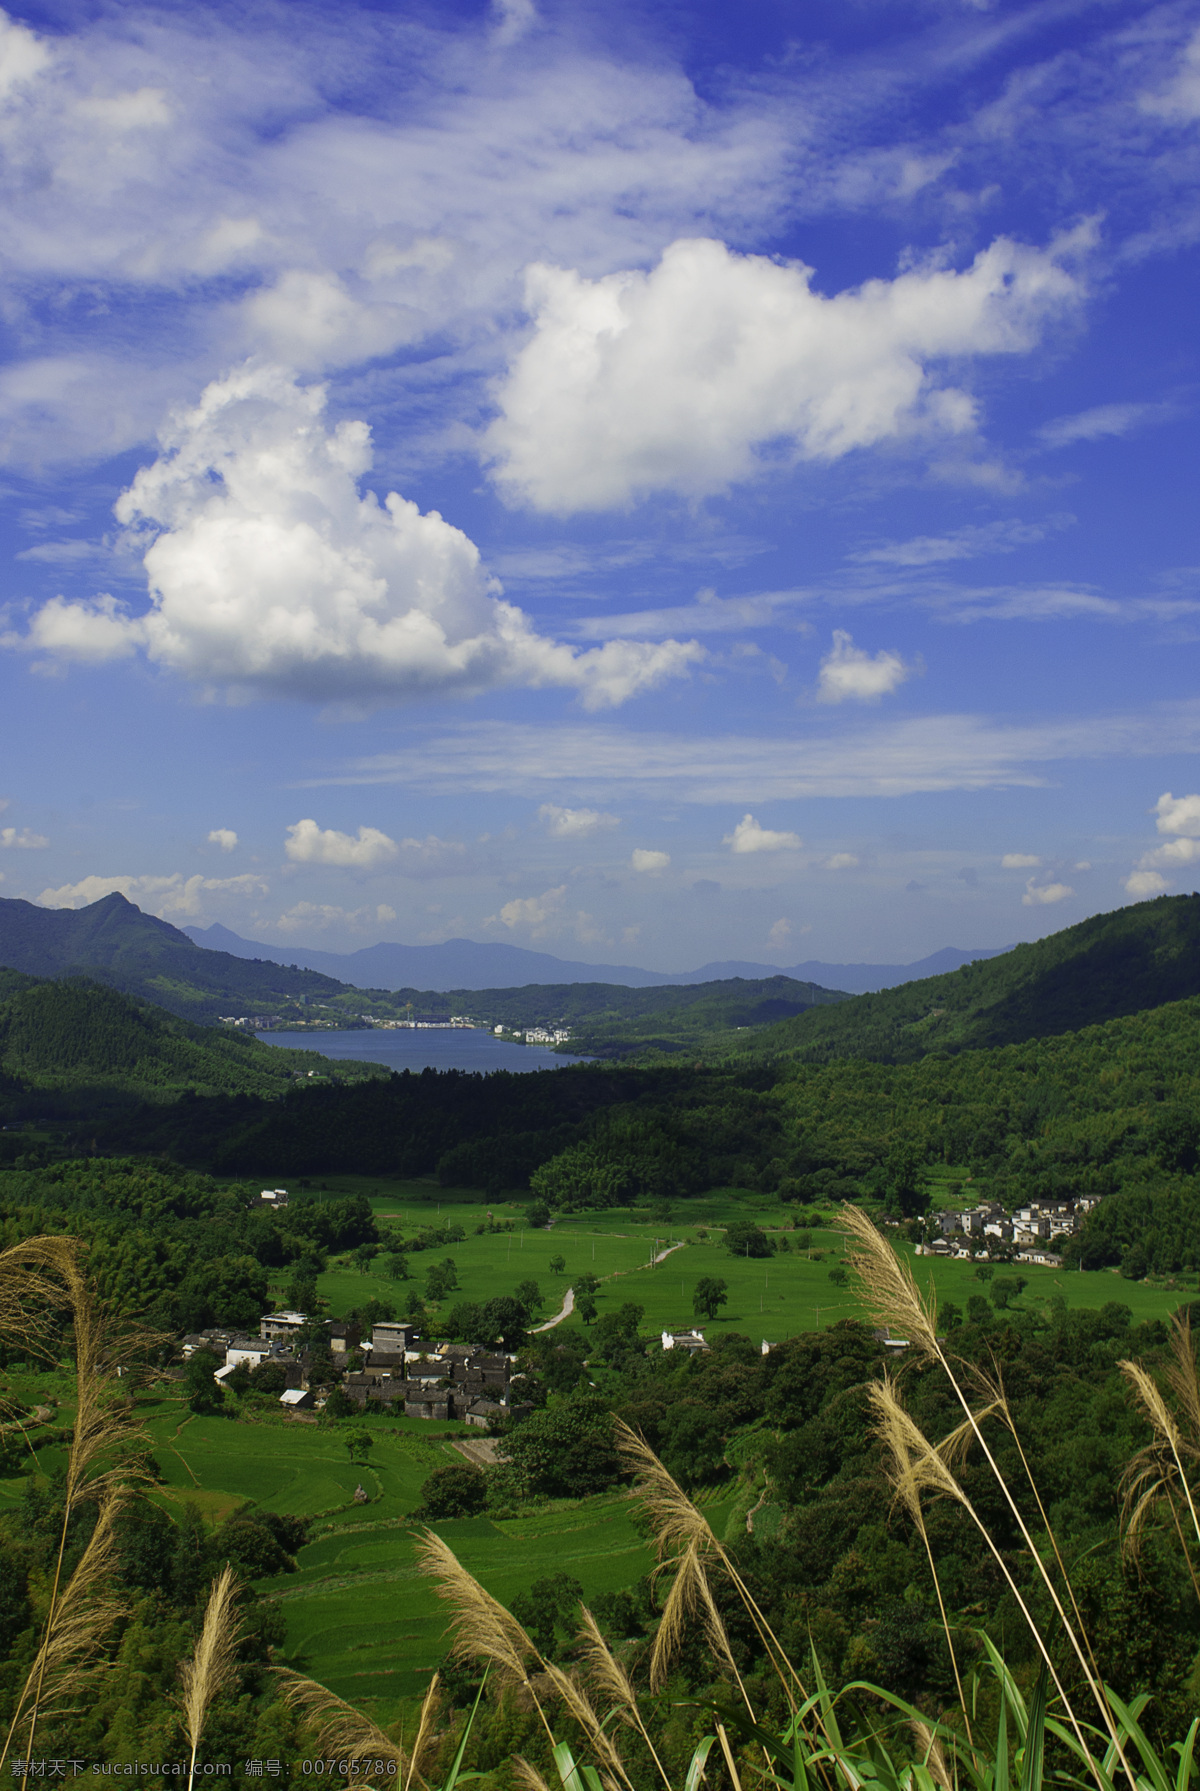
[(1187, 1754), (456, 1766), (699, 1760), (1033, 1763)]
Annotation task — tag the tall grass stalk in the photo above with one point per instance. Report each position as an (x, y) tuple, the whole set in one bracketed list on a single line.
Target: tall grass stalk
[(893, 1296), (212, 1665)]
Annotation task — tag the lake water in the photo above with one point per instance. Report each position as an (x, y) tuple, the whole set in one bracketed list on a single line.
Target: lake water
[(419, 1048)]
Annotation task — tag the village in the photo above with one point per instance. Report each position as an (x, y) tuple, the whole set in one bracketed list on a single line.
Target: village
[(1034, 1233)]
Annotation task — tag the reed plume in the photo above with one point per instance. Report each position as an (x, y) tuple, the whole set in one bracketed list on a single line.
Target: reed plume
[(609, 1676), (679, 1526), (346, 1734), (1158, 1472), (212, 1664), (77, 1624), (893, 1296)]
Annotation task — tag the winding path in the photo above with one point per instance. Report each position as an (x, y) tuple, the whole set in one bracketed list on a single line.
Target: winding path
[(568, 1305)]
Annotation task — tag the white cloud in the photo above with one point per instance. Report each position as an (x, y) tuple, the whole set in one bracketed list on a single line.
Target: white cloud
[(365, 851), (1020, 861), (847, 672), (1101, 420), (674, 380), (961, 544), (269, 571), (840, 861), (779, 935), (224, 837), (164, 896), (32, 842), (574, 823), (1141, 885), (1178, 814), (1180, 98), (748, 836), (1045, 896), (540, 914), (643, 860), (1175, 852)]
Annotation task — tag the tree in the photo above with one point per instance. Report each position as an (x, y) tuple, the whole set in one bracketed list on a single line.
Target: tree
[(839, 1274), (453, 1492), (466, 1320), (558, 1265), (530, 1295), (584, 1285), (359, 1444), (565, 1451), (904, 1178), (441, 1279), (586, 1307), (984, 1272), (1006, 1288), (414, 1308), (745, 1238), (364, 1256), (549, 1605), (204, 1393), (711, 1294), (396, 1265), (505, 1321), (339, 1405), (268, 1377), (537, 1215), (616, 1335)]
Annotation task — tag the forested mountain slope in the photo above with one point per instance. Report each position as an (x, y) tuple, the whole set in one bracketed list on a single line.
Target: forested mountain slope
[(1113, 964), (75, 1035)]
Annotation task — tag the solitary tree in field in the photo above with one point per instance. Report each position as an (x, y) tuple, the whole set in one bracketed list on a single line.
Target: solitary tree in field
[(364, 1256), (711, 1294), (359, 1444), (558, 1265), (397, 1265)]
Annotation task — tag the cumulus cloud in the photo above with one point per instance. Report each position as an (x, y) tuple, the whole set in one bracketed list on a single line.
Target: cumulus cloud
[(574, 823), (1178, 814), (779, 935), (365, 851), (840, 861), (748, 836), (643, 860), (224, 837), (1020, 861), (676, 380), (164, 896), (1045, 895), (24, 839), (270, 571), (535, 912), (849, 673), (1141, 885)]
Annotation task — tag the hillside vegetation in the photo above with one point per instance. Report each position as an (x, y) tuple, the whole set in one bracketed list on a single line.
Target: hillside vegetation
[(78, 1038), (1113, 964)]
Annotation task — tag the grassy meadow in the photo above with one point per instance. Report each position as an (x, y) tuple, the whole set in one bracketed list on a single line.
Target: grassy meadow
[(769, 1299)]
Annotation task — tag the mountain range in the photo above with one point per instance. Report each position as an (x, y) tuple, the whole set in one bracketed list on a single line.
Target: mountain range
[(461, 964)]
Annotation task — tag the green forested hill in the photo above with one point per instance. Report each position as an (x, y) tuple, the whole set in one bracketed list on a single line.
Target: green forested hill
[(609, 1020), (78, 1035), (1113, 964), (114, 941)]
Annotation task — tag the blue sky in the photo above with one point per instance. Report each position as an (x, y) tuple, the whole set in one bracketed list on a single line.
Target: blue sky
[(653, 483)]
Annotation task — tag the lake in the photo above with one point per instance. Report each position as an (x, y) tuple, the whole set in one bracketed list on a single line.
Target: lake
[(419, 1048)]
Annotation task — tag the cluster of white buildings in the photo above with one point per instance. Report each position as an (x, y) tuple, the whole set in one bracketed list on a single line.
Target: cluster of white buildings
[(455, 1020), (989, 1229), (539, 1035)]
